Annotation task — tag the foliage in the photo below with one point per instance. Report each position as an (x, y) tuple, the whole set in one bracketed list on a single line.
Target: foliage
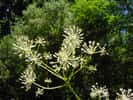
[(45, 20), (10, 68), (4, 73), (120, 45), (94, 16)]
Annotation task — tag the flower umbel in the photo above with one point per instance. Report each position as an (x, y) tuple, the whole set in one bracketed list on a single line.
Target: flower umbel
[(40, 41), (73, 38), (100, 92), (66, 55), (23, 45), (125, 94), (39, 92), (93, 48), (35, 57), (66, 59), (28, 77)]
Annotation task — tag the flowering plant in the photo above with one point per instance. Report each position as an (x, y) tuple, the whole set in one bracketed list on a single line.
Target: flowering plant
[(64, 64)]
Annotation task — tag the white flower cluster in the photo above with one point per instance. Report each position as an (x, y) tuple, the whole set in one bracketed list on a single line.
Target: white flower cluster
[(39, 91), (28, 77), (99, 92), (25, 47), (35, 58), (66, 55), (125, 94), (40, 41), (63, 60), (73, 38), (102, 92), (94, 48), (66, 59)]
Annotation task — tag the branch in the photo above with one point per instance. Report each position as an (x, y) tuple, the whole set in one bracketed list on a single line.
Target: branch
[(51, 71), (48, 88)]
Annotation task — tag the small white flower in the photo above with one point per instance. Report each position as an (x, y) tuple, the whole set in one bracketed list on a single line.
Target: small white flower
[(63, 56), (66, 59), (91, 49), (56, 68), (47, 55), (94, 48), (34, 57), (40, 41), (73, 38), (103, 51), (39, 92), (48, 80), (23, 45), (101, 92), (125, 94), (28, 77)]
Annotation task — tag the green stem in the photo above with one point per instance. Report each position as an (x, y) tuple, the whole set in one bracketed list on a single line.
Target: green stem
[(99, 98), (74, 93), (49, 67), (38, 47), (52, 72), (74, 73), (48, 88), (63, 72)]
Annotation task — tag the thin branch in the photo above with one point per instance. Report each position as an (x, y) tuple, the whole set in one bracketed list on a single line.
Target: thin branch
[(51, 71), (48, 88), (74, 73), (74, 93)]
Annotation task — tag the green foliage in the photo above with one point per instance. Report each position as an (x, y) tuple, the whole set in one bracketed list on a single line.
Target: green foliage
[(4, 72), (94, 16), (10, 68), (10, 60), (45, 20)]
